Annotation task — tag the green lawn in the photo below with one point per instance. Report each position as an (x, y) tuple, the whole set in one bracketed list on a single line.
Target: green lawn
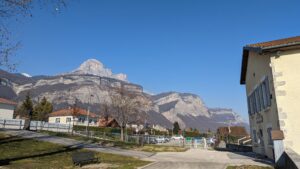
[(32, 154), (248, 167), (124, 145)]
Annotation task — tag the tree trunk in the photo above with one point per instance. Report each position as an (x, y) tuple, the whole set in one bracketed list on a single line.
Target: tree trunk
[(27, 124), (122, 133)]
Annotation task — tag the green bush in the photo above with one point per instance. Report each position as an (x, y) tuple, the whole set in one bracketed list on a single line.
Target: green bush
[(98, 129)]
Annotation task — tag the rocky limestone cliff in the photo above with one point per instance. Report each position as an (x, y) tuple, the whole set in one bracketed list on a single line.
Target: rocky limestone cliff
[(93, 78), (95, 67), (189, 110)]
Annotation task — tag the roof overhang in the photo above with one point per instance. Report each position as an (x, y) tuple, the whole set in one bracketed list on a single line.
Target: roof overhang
[(261, 50)]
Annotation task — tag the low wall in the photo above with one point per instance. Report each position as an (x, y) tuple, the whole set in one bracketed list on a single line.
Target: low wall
[(239, 148), (289, 160)]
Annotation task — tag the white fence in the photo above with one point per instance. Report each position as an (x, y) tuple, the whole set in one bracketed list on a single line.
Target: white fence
[(57, 127), (12, 124), (35, 125)]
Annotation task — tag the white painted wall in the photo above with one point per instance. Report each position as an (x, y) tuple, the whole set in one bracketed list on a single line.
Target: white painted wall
[(63, 119), (6, 111)]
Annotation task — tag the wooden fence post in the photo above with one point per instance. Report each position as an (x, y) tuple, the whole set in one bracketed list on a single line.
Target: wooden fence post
[(20, 124), (4, 123)]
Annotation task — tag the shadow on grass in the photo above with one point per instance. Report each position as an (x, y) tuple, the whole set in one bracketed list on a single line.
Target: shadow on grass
[(11, 139), (63, 150)]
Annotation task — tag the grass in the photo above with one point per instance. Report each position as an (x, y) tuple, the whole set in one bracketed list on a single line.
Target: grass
[(248, 167), (121, 144), (32, 154)]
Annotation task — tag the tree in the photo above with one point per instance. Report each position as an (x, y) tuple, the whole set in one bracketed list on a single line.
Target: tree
[(126, 106), (42, 110), (176, 127), (12, 10), (26, 107)]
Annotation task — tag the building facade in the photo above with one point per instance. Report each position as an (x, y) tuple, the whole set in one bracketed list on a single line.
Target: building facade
[(72, 116), (7, 108), (271, 75)]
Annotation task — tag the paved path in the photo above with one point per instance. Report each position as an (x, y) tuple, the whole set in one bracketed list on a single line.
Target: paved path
[(191, 159), (76, 143), (202, 159)]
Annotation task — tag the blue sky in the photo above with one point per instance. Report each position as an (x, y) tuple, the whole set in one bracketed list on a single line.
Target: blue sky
[(186, 46)]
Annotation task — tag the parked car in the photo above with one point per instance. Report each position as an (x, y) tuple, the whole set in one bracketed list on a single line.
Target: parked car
[(160, 139), (167, 139), (180, 137), (152, 140)]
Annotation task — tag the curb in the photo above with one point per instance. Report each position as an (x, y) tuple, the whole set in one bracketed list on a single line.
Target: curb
[(148, 165)]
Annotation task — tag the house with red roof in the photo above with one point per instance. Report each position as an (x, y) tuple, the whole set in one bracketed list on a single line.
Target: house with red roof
[(7, 108), (74, 116)]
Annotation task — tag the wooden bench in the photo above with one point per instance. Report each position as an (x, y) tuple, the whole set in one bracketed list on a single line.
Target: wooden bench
[(82, 158)]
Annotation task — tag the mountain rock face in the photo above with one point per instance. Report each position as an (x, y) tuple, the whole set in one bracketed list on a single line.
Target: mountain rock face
[(95, 67), (189, 110), (92, 78)]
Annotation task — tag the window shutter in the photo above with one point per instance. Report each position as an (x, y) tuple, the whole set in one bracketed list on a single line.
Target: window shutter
[(268, 92)]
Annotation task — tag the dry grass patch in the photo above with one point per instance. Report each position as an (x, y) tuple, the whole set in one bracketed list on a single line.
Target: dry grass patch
[(16, 152)]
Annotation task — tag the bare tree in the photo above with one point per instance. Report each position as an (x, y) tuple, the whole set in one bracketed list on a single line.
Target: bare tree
[(13, 10), (127, 106)]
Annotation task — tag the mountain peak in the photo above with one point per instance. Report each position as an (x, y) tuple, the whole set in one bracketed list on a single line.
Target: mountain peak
[(95, 67)]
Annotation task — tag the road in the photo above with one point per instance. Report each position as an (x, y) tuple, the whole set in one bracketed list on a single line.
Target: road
[(191, 159)]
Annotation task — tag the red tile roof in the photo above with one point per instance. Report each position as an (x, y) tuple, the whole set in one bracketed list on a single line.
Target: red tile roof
[(5, 101), (287, 43), (277, 43), (70, 112), (108, 122)]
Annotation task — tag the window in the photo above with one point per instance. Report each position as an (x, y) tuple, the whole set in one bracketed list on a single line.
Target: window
[(57, 120), (259, 99), (254, 136), (69, 120), (270, 141)]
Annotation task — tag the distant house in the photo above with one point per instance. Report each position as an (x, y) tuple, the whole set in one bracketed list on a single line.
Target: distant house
[(271, 74), (159, 128), (7, 108), (76, 116), (108, 122), (235, 131), (135, 126)]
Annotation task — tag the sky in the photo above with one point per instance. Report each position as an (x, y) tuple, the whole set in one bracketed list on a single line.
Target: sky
[(186, 46)]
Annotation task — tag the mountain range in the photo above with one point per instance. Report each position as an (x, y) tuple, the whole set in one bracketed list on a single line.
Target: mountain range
[(93, 78)]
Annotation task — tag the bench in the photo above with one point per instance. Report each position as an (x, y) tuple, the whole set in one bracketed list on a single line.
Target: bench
[(82, 158)]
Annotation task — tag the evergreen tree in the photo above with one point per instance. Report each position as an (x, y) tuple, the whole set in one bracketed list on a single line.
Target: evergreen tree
[(176, 127), (42, 110), (26, 107)]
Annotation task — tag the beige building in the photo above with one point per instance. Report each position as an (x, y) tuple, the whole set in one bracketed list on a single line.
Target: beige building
[(7, 109), (271, 74), (72, 116)]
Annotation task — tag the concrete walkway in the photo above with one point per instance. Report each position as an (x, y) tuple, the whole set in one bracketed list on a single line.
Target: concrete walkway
[(191, 159), (199, 158)]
